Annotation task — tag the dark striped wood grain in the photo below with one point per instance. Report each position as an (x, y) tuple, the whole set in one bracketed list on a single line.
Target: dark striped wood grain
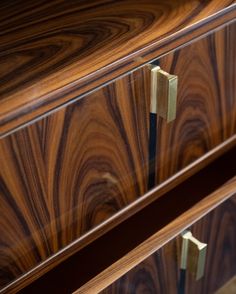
[(207, 188), (52, 52), (73, 170), (218, 230), (69, 172), (68, 261), (206, 106), (160, 272)]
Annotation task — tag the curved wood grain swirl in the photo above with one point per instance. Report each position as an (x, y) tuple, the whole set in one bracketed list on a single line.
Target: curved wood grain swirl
[(206, 106), (69, 172), (159, 273), (52, 52)]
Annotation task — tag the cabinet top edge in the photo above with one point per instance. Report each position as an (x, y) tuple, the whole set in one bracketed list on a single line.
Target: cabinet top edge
[(52, 52)]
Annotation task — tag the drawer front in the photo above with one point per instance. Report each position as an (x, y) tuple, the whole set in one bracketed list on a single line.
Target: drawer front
[(206, 102), (70, 171), (160, 273)]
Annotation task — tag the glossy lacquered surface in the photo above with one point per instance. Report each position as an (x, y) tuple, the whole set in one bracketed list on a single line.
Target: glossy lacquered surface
[(54, 51), (206, 102), (160, 273), (144, 233), (71, 171)]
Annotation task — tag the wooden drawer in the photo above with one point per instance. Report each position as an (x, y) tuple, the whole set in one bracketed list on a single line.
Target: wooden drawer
[(70, 171), (108, 258), (206, 102), (160, 273), (66, 176), (201, 204)]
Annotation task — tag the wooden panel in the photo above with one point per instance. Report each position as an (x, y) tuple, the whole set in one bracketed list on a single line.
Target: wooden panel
[(69, 172), (206, 106), (51, 273), (218, 230), (156, 274), (52, 52), (160, 272), (64, 175), (157, 224)]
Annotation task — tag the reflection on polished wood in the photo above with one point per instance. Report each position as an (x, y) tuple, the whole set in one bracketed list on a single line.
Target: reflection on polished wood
[(73, 170), (80, 169), (206, 104), (54, 51), (69, 172), (159, 272)]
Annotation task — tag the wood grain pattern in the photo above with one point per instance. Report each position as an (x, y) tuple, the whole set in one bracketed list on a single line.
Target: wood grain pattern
[(57, 266), (75, 169), (206, 106), (156, 274), (159, 273), (54, 52), (71, 171), (96, 253), (164, 235), (218, 230)]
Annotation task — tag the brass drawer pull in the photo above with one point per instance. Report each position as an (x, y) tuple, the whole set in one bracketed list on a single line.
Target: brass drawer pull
[(163, 93), (193, 255)]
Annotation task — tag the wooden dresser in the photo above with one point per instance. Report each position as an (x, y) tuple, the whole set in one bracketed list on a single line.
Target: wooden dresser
[(117, 146)]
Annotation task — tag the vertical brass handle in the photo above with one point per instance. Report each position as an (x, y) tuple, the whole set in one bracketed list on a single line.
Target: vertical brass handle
[(163, 93), (193, 255)]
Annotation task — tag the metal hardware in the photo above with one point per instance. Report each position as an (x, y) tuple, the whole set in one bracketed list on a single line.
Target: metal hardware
[(163, 93), (193, 255)]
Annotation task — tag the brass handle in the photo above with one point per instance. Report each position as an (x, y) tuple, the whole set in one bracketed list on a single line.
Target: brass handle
[(163, 93), (193, 255)]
